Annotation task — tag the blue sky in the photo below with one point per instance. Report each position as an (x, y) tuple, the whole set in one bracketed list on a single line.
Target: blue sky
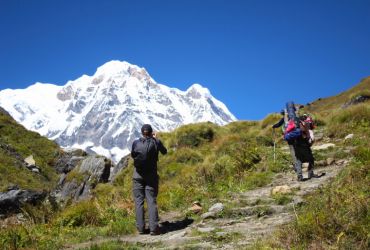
[(253, 55)]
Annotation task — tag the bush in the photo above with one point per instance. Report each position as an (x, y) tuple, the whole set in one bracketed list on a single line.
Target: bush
[(195, 134), (270, 120), (348, 120), (243, 151), (83, 213), (187, 155)]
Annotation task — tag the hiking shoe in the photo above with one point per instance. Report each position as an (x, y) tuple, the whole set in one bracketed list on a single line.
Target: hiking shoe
[(300, 178), (315, 175), (157, 231), (145, 231)]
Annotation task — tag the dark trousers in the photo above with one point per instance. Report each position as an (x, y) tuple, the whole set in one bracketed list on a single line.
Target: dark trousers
[(303, 153), (146, 189)]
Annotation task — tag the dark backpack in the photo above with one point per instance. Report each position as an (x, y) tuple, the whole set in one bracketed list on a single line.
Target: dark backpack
[(146, 153)]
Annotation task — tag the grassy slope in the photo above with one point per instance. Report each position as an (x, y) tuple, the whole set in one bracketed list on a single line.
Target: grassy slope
[(205, 162), (325, 106), (337, 216), (25, 143)]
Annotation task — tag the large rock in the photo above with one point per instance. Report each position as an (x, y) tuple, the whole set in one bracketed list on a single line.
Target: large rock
[(30, 161), (69, 159), (122, 164), (216, 208), (350, 136), (208, 215), (12, 200), (96, 167), (356, 100), (196, 207), (77, 184)]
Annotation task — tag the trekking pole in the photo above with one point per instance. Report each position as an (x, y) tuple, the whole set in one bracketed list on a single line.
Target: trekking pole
[(273, 136)]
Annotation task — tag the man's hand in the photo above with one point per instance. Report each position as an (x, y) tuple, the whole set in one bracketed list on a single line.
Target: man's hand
[(154, 135)]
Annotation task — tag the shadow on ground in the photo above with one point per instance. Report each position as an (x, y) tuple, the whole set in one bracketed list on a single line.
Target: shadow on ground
[(167, 226)]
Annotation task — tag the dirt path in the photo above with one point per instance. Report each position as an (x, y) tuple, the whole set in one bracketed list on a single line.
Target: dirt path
[(247, 216)]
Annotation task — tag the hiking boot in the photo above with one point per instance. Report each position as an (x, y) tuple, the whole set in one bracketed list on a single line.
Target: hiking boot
[(145, 231), (157, 231), (312, 175), (300, 178)]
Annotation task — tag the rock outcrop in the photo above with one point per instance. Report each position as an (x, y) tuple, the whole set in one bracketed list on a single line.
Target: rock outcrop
[(80, 174), (12, 200)]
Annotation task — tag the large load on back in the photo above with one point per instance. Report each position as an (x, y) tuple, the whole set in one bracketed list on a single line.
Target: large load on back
[(296, 127), (292, 123)]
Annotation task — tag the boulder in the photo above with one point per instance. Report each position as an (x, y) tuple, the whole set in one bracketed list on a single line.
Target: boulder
[(348, 137), (208, 215), (30, 161), (122, 164), (281, 190), (356, 100), (216, 208), (69, 159), (77, 184), (195, 207), (12, 200), (205, 229)]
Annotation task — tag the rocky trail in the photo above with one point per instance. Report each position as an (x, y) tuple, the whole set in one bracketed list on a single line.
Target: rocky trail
[(238, 220)]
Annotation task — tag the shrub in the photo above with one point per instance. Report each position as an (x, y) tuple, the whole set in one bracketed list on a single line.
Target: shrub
[(195, 134), (83, 213), (347, 120), (270, 120), (240, 126), (187, 155), (243, 151)]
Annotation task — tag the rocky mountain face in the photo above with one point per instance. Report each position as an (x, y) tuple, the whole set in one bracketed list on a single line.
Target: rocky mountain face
[(103, 113)]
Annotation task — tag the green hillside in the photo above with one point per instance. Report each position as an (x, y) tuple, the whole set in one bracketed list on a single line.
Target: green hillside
[(325, 106), (17, 143), (207, 163)]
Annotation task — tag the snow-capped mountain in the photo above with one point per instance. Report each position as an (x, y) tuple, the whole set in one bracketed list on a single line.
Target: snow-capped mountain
[(104, 112)]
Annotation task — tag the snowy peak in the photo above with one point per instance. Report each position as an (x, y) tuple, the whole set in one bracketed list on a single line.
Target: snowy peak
[(197, 91), (103, 113), (113, 68)]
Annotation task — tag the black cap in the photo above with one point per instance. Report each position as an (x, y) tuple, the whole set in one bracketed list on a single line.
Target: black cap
[(146, 127)]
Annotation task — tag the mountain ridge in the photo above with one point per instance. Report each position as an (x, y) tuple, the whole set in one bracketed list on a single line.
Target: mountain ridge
[(103, 113)]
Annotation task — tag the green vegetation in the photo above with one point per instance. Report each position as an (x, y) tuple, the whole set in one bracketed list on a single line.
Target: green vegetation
[(223, 159), (217, 237), (119, 245), (16, 141), (336, 216), (282, 199), (205, 163)]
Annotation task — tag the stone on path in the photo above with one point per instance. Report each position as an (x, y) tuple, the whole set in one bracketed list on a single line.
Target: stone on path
[(330, 161), (216, 208), (281, 190), (350, 136), (208, 215), (323, 146), (195, 207)]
